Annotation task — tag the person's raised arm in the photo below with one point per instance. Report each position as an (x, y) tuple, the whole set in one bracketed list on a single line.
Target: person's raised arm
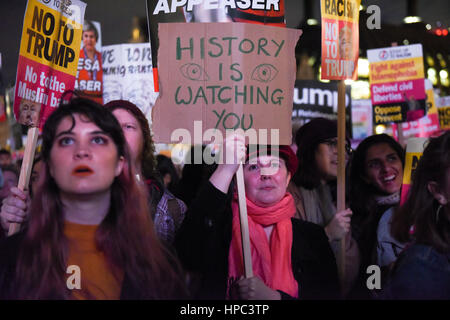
[(233, 151)]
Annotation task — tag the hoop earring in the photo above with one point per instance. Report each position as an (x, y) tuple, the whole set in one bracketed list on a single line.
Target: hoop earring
[(438, 212)]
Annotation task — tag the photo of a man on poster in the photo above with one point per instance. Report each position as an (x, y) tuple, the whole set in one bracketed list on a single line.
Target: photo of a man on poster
[(29, 113), (89, 81), (414, 111), (346, 43)]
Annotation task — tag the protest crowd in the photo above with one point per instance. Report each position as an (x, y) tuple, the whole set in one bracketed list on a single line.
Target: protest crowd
[(105, 216)]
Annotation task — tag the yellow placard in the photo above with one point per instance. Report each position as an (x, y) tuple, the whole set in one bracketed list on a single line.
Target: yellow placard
[(432, 109), (49, 38), (396, 70), (344, 10), (411, 161), (444, 117)]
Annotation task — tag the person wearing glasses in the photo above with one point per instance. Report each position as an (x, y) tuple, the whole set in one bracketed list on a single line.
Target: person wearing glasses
[(314, 189), (376, 177)]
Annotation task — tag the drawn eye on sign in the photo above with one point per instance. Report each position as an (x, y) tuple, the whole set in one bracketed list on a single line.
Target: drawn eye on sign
[(193, 71), (264, 73)]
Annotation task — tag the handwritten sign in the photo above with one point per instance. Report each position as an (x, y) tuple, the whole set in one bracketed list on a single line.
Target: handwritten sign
[(128, 75), (228, 76), (267, 12), (340, 39), (48, 58)]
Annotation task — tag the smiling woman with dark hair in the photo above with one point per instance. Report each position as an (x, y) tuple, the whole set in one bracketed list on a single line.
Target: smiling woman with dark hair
[(376, 175)]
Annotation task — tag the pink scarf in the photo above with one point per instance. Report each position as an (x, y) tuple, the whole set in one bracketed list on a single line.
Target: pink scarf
[(271, 261)]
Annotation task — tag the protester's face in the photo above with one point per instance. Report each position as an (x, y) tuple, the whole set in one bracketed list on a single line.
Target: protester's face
[(326, 161), (5, 159), (29, 113), (10, 180), (345, 43), (326, 156), (133, 133), (35, 173), (266, 180), (89, 41), (83, 160), (384, 169)]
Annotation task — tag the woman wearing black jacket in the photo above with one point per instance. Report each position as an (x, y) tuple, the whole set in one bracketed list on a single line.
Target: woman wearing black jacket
[(296, 261)]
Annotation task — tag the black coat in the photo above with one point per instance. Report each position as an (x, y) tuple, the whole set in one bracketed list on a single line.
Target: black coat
[(204, 238)]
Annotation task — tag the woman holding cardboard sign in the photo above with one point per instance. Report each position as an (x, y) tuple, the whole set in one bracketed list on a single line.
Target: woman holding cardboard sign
[(291, 258), (83, 239)]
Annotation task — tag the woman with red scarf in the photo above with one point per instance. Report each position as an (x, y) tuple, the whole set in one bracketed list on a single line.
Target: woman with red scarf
[(291, 259)]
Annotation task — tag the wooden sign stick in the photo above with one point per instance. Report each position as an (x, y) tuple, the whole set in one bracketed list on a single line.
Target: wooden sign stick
[(25, 170), (341, 169), (246, 250)]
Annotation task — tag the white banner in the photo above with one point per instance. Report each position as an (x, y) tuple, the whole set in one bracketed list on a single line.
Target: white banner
[(128, 75)]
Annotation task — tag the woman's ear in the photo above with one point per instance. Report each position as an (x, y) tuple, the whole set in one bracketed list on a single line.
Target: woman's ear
[(119, 166), (288, 178), (435, 190)]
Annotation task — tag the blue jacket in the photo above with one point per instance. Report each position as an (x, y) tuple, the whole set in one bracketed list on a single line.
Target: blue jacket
[(420, 272)]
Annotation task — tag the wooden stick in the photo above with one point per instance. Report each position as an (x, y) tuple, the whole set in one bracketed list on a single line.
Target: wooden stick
[(246, 250), (25, 170), (341, 169), (401, 136)]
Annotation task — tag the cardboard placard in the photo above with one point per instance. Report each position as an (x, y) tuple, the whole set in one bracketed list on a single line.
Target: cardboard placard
[(48, 59), (340, 39), (267, 12), (226, 75)]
